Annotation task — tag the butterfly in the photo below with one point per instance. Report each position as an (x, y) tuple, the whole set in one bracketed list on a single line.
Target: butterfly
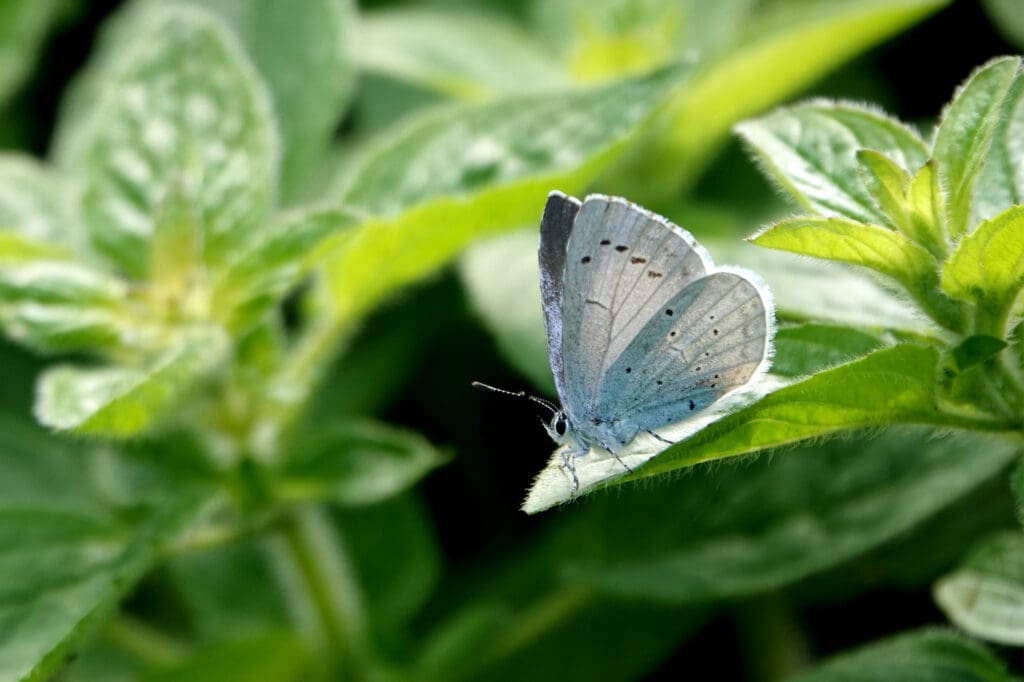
[(643, 330)]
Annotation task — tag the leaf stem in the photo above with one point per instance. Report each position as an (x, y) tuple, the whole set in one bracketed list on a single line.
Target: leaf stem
[(325, 594)]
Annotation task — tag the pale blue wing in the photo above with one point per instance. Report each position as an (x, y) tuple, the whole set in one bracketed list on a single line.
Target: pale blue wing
[(555, 226), (623, 264), (709, 339)]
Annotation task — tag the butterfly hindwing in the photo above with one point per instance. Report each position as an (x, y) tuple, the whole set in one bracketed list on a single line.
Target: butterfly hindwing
[(622, 265), (709, 339)]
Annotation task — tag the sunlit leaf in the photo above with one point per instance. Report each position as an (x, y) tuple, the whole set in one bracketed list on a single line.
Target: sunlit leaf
[(35, 202), (455, 176), (124, 401), (810, 348), (987, 266), (1000, 182)]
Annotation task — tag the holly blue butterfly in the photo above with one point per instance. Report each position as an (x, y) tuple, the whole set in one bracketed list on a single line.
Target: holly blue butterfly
[(643, 330)]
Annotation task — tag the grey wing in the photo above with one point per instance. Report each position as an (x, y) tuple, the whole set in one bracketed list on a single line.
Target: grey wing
[(623, 264), (555, 225), (709, 339)]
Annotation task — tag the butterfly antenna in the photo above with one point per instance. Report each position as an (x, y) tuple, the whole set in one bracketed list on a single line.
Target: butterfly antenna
[(518, 394)]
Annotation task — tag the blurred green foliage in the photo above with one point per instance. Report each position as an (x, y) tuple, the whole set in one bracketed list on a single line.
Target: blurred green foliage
[(270, 244)]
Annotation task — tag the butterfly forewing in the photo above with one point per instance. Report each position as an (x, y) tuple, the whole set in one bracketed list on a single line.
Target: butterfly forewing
[(622, 266), (555, 226), (710, 338)]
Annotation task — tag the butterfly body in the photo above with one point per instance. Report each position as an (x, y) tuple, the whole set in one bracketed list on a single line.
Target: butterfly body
[(643, 330)]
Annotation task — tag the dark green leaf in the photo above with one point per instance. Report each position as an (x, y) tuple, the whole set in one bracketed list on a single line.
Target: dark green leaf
[(356, 463), (793, 515), (280, 657), (811, 348), (976, 349), (923, 656)]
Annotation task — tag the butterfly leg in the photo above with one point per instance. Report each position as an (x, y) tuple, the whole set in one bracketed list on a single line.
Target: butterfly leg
[(663, 440), (567, 463)]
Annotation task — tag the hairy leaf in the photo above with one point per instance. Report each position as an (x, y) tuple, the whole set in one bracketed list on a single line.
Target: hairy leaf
[(965, 132), (985, 595)]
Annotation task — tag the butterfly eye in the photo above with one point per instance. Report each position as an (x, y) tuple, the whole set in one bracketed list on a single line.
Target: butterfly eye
[(560, 426)]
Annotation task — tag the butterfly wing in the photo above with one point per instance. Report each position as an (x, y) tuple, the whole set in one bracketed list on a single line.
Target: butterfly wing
[(555, 225), (623, 265), (712, 337)]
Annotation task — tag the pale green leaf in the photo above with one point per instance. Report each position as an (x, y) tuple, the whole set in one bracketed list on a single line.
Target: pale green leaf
[(912, 203), (462, 54), (810, 150), (791, 516), (766, 64), (184, 106), (890, 386), (305, 55), (965, 132), (985, 595), (923, 656), (123, 401), (455, 176), (356, 463), (272, 262), (1000, 182), (176, 247), (927, 215), (987, 266), (59, 305), (35, 202), (16, 248)]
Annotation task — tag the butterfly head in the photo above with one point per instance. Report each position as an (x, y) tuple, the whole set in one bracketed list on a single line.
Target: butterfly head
[(558, 428)]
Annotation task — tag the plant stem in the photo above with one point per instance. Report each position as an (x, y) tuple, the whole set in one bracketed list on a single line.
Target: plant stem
[(772, 639), (143, 641), (324, 592)]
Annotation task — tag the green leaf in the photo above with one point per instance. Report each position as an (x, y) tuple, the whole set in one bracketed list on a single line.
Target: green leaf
[(184, 106), (59, 305), (1000, 183), (271, 263), (462, 54), (987, 267), (455, 176), (15, 248), (810, 150), (766, 64), (1017, 483), (305, 56), (356, 463), (811, 348), (922, 656), (890, 386), (965, 132), (23, 26), (274, 657), (1006, 16), (887, 182), (985, 595), (65, 561), (926, 205), (35, 202), (788, 517), (976, 349), (120, 401), (877, 248)]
